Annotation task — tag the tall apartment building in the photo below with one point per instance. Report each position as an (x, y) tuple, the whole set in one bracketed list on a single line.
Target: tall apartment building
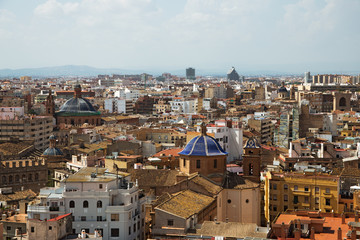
[(114, 105), (263, 126), (305, 190), (288, 129), (35, 128), (98, 200), (233, 75), (190, 73)]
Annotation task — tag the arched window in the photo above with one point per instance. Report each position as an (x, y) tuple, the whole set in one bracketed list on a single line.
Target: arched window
[(342, 102), (85, 204), (17, 178), (3, 179), (30, 177), (99, 204), (10, 179), (251, 169), (23, 178), (36, 176), (71, 204)]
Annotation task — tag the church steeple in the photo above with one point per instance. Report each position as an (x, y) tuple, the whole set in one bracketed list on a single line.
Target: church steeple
[(77, 90), (50, 104)]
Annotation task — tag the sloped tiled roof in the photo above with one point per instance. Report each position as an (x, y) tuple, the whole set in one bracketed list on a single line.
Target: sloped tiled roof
[(186, 203)]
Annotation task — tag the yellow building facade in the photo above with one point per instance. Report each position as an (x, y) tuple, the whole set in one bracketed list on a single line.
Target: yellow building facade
[(312, 191)]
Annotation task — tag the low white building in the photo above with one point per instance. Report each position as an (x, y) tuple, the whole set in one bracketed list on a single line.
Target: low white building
[(181, 105), (98, 200), (229, 138)]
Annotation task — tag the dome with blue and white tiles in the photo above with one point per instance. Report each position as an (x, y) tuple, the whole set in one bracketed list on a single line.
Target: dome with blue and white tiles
[(52, 150), (203, 145)]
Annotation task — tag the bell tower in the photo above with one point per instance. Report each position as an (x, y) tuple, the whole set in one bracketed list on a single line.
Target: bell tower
[(252, 160), (50, 104)]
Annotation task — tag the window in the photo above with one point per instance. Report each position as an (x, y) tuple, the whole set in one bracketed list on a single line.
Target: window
[(295, 188), (296, 199), (134, 227), (327, 201), (275, 208), (215, 163), (275, 186), (316, 189), (115, 232), (114, 217), (275, 197), (71, 204), (317, 200), (306, 199), (197, 163), (184, 162), (327, 190), (170, 222), (83, 218), (285, 208), (285, 198), (100, 186), (8, 228), (50, 228), (99, 204), (306, 188), (32, 229), (286, 187), (99, 218), (85, 204), (130, 230)]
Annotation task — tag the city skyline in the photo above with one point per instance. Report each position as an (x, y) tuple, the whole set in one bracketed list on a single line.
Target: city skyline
[(287, 36)]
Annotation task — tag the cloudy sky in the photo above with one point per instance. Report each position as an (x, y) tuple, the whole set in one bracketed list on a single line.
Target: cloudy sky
[(278, 35)]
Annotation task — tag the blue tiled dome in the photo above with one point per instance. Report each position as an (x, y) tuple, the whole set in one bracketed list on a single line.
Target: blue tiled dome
[(203, 145), (52, 152)]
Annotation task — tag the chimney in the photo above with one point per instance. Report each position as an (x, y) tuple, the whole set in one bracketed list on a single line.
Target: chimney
[(297, 234), (339, 234), (298, 225), (342, 218), (283, 233), (356, 217), (353, 235), (312, 233)]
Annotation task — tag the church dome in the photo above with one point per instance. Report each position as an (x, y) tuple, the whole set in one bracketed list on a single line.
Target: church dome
[(203, 145), (282, 90), (77, 106), (52, 152)]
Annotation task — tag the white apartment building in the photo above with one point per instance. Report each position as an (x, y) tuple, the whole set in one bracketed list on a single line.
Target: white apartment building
[(114, 105), (180, 105), (229, 138), (98, 200), (129, 94)]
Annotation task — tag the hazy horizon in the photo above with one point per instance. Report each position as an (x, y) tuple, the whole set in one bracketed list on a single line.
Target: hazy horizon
[(291, 36)]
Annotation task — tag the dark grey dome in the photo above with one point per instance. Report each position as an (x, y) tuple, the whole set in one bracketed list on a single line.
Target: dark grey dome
[(52, 152), (77, 107), (283, 89)]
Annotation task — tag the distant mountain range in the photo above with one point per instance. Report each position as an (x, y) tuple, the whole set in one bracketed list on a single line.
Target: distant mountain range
[(68, 70), (87, 71)]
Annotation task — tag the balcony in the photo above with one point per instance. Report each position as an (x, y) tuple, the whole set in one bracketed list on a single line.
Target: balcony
[(301, 193), (45, 209), (54, 209)]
